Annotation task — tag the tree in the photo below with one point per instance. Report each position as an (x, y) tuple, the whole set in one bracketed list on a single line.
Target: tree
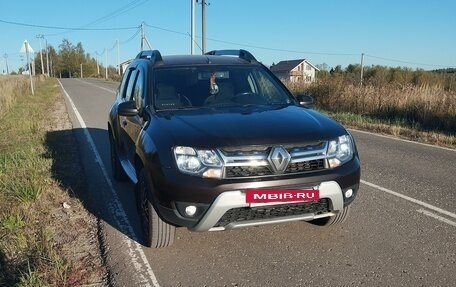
[(323, 67), (68, 60), (337, 69)]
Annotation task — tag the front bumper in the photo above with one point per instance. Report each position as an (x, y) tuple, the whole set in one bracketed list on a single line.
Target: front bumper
[(236, 199), (230, 210), (174, 192)]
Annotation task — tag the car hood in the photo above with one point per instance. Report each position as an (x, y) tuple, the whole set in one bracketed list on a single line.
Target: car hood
[(215, 128)]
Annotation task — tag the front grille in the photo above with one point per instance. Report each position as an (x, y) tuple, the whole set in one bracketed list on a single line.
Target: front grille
[(261, 161), (306, 166), (255, 171), (244, 214), (247, 171)]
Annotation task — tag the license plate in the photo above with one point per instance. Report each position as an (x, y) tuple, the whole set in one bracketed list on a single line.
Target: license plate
[(268, 196)]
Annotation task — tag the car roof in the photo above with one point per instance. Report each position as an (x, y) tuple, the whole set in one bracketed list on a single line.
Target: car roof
[(186, 60)]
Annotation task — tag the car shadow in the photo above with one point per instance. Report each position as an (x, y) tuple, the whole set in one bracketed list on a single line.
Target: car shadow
[(79, 171)]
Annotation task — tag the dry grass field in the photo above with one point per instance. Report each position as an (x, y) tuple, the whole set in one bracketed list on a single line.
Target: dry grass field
[(425, 114), (12, 87)]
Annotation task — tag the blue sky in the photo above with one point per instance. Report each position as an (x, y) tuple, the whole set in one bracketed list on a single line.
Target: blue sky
[(415, 34)]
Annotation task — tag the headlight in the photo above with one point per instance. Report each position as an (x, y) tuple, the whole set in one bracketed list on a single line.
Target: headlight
[(340, 151), (204, 163)]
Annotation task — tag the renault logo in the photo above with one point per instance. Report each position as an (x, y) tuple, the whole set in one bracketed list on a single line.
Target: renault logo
[(279, 159)]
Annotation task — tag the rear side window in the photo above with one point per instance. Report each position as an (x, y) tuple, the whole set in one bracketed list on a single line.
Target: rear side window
[(138, 95), (131, 85), (123, 85)]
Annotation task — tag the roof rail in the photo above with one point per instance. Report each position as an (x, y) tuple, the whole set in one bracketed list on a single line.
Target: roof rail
[(243, 54), (153, 55)]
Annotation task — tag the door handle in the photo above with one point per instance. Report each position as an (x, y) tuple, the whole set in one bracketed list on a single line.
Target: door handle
[(124, 123)]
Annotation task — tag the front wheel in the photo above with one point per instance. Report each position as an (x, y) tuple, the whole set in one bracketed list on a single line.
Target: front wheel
[(157, 233), (332, 220)]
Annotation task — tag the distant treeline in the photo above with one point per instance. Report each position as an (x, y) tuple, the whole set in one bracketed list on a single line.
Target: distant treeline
[(449, 70), (66, 62)]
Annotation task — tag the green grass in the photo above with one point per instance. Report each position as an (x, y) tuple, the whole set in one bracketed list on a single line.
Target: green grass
[(27, 253), (31, 278)]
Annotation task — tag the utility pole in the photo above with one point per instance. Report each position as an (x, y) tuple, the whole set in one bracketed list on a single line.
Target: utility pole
[(6, 60), (142, 36), (362, 68), (52, 69), (118, 57), (47, 57), (98, 64), (192, 29), (203, 24), (40, 36), (106, 68), (32, 61), (81, 71)]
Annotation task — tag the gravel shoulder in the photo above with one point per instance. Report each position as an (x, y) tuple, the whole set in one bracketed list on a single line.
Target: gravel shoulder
[(76, 231)]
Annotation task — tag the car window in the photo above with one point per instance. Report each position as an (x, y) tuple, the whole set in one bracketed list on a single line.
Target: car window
[(269, 88), (131, 84), (252, 84), (138, 95), (123, 85), (216, 86)]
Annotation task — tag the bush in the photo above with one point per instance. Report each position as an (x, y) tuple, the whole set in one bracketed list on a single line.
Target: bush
[(426, 108)]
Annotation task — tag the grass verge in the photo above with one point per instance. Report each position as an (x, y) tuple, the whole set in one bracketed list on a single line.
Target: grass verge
[(36, 246), (396, 127)]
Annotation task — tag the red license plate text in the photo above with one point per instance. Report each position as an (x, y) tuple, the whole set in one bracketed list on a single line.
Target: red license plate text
[(281, 195)]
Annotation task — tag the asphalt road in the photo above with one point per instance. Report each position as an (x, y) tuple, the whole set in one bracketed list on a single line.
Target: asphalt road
[(401, 232)]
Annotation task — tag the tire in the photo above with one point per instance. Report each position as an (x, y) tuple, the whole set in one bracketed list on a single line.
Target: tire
[(332, 220), (117, 171), (156, 232)]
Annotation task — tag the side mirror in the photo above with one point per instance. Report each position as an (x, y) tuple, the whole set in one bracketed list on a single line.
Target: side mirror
[(127, 109), (305, 100)]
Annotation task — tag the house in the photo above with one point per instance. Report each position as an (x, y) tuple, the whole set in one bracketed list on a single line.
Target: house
[(124, 65), (295, 71)]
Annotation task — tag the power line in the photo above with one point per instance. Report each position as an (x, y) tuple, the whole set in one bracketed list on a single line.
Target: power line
[(282, 50), (122, 10), (296, 51), (404, 62), (115, 43), (107, 17), (251, 46), (120, 42), (164, 29), (113, 46), (131, 38), (67, 28), (135, 4)]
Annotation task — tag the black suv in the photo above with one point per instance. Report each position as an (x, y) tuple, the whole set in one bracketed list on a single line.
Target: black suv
[(217, 142)]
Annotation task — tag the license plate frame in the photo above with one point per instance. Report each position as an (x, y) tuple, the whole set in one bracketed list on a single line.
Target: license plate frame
[(261, 197)]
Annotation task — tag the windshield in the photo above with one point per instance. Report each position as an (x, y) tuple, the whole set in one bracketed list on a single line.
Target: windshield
[(216, 86)]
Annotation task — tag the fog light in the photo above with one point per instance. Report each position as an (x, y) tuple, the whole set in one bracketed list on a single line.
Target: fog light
[(333, 162), (349, 193), (213, 173), (190, 210)]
